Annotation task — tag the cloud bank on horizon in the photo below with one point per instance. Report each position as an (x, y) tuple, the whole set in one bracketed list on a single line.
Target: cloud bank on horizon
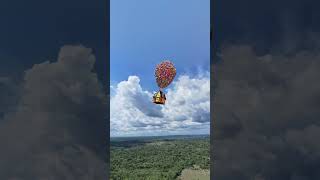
[(187, 109)]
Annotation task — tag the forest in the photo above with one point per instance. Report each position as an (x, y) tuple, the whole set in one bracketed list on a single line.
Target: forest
[(157, 159)]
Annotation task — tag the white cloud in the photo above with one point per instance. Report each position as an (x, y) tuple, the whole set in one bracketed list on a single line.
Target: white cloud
[(187, 109)]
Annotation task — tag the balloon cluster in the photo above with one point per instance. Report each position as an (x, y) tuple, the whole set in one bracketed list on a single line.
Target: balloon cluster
[(165, 73)]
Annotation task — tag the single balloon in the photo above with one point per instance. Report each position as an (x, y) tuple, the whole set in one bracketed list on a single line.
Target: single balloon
[(165, 73)]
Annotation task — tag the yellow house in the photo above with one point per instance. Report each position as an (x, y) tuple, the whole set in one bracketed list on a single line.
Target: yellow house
[(159, 98)]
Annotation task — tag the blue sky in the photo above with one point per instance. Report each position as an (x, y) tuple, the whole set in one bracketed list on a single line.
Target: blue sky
[(145, 32)]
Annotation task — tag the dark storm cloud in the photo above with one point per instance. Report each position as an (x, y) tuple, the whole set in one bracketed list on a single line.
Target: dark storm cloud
[(266, 112), (58, 127)]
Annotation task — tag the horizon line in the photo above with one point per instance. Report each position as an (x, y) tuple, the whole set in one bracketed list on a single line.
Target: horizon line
[(161, 135)]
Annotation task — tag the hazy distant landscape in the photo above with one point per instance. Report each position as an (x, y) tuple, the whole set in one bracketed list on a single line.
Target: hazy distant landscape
[(160, 158)]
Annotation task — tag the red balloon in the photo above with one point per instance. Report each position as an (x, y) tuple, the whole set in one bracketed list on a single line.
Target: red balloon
[(165, 73)]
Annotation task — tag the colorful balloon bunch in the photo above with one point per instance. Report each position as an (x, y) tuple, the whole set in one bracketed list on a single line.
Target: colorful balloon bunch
[(165, 73)]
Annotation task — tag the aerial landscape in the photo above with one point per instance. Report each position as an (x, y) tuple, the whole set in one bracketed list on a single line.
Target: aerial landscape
[(161, 157)]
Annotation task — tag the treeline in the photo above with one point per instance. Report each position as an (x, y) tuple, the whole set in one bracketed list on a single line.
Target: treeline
[(159, 160)]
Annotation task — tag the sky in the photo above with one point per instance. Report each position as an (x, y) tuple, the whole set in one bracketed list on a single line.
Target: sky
[(142, 34), (33, 32), (145, 33)]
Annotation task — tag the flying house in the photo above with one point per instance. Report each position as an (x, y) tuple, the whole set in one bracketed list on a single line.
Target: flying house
[(159, 98)]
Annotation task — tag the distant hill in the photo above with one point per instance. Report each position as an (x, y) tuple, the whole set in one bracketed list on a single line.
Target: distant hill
[(152, 138)]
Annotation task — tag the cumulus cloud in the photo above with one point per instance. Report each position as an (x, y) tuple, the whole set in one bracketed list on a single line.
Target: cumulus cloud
[(266, 112), (187, 107), (58, 127)]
